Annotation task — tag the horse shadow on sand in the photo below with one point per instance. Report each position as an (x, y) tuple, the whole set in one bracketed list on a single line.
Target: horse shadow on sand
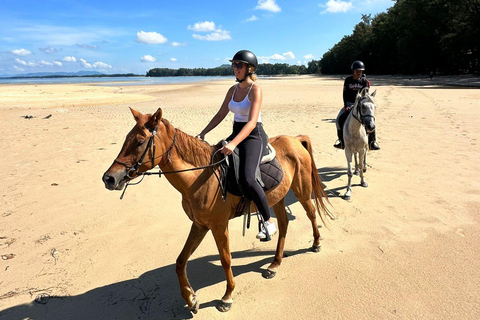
[(155, 294)]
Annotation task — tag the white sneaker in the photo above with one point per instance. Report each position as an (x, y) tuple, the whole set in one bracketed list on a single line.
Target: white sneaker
[(271, 230)]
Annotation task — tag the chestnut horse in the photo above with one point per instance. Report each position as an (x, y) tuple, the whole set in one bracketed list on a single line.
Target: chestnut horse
[(174, 150)]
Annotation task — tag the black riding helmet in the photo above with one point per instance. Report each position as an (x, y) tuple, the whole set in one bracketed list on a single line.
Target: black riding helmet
[(247, 57), (358, 65)]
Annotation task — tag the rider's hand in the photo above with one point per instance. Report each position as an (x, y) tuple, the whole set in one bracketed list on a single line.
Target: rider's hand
[(228, 148)]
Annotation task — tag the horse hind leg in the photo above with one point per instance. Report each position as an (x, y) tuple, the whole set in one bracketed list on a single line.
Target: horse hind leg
[(310, 210), (282, 221)]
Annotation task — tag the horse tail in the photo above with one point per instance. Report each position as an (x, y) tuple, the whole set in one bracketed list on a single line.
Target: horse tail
[(317, 186)]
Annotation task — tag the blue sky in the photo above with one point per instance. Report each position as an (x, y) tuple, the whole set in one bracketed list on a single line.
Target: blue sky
[(135, 36)]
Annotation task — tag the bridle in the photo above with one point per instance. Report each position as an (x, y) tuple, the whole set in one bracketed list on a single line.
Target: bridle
[(133, 169), (359, 116)]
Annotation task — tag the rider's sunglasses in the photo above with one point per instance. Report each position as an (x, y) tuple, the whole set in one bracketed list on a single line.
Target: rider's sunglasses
[(237, 65)]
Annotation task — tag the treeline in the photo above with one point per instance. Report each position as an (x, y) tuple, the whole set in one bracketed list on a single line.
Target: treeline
[(265, 69), (414, 36)]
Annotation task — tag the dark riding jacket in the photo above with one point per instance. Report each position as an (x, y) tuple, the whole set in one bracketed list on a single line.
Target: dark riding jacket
[(351, 87)]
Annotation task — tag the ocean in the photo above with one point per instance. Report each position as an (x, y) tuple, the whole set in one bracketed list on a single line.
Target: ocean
[(107, 81)]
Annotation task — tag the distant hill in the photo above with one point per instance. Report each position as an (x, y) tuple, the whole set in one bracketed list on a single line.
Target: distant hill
[(53, 74)]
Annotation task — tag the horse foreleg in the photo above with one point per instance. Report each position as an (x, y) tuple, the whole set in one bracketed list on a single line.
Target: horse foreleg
[(282, 221), (356, 163), (223, 244), (348, 155), (362, 168), (195, 237)]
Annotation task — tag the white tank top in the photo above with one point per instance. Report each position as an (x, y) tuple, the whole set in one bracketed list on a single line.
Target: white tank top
[(242, 109)]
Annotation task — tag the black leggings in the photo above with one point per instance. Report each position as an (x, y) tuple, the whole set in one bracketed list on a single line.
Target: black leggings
[(250, 153)]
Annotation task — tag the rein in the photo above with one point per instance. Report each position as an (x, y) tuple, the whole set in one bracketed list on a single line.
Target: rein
[(151, 141)]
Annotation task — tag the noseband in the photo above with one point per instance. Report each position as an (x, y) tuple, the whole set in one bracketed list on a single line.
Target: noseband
[(359, 116), (133, 169)]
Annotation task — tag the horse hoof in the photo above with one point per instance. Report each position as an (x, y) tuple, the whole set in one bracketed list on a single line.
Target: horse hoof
[(356, 172), (223, 306), (347, 197), (316, 248), (269, 274), (196, 305), (364, 184)]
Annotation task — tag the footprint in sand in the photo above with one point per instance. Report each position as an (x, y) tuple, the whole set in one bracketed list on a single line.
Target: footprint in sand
[(460, 232)]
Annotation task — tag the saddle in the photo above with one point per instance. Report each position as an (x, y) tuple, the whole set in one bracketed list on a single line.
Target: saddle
[(269, 174)]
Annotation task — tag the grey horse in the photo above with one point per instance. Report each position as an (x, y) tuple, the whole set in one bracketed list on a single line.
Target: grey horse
[(360, 122)]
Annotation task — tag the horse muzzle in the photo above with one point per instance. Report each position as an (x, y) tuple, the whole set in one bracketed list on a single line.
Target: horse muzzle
[(115, 181)]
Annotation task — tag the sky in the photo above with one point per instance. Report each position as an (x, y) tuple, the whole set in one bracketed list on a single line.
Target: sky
[(124, 36)]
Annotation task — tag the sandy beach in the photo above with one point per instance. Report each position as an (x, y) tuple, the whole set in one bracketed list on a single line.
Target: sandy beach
[(406, 247)]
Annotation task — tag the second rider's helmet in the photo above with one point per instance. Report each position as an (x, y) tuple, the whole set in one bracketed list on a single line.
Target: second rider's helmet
[(358, 65)]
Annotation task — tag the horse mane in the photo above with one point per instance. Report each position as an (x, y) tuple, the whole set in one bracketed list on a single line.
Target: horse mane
[(190, 149)]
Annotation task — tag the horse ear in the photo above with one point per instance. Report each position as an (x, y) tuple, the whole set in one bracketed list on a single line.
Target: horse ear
[(374, 92), (157, 116), (137, 115), (362, 93)]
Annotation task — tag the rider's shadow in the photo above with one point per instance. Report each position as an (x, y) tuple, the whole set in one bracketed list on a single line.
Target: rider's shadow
[(153, 295)]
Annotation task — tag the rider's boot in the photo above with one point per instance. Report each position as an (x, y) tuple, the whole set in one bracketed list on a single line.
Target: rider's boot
[(372, 141), (339, 143)]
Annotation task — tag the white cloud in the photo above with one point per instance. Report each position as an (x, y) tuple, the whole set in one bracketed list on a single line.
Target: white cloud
[(277, 57), (48, 50), (252, 18), (150, 37), (21, 52), (46, 63), (217, 35), (101, 65), (148, 58), (177, 44), (335, 6), (57, 63), (85, 63), (269, 5), (18, 68), (173, 59), (289, 55), (95, 65), (21, 62), (205, 26), (69, 59), (309, 56)]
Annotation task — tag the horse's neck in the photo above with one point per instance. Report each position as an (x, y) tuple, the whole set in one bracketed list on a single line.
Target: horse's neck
[(354, 124), (187, 153)]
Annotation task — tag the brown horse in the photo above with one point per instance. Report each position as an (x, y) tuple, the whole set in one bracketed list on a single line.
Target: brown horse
[(154, 141)]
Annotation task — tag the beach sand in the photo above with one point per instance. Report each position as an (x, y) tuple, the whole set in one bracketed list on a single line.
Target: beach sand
[(406, 247)]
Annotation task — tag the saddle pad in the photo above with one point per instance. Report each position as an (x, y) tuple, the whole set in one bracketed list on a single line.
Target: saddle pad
[(271, 176)]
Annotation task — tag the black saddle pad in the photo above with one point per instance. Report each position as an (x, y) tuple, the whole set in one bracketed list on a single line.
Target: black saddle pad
[(271, 175)]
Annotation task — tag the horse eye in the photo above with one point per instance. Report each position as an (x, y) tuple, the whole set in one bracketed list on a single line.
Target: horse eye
[(139, 143)]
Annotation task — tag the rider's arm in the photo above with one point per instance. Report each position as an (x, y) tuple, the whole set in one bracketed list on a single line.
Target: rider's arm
[(221, 114), (345, 88)]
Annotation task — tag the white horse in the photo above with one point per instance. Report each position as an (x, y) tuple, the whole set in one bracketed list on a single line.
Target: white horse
[(360, 122)]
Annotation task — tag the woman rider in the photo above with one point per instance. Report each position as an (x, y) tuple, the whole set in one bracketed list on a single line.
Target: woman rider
[(245, 100)]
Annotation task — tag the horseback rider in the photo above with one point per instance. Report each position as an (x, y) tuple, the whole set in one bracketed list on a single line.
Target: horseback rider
[(352, 85), (245, 100)]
